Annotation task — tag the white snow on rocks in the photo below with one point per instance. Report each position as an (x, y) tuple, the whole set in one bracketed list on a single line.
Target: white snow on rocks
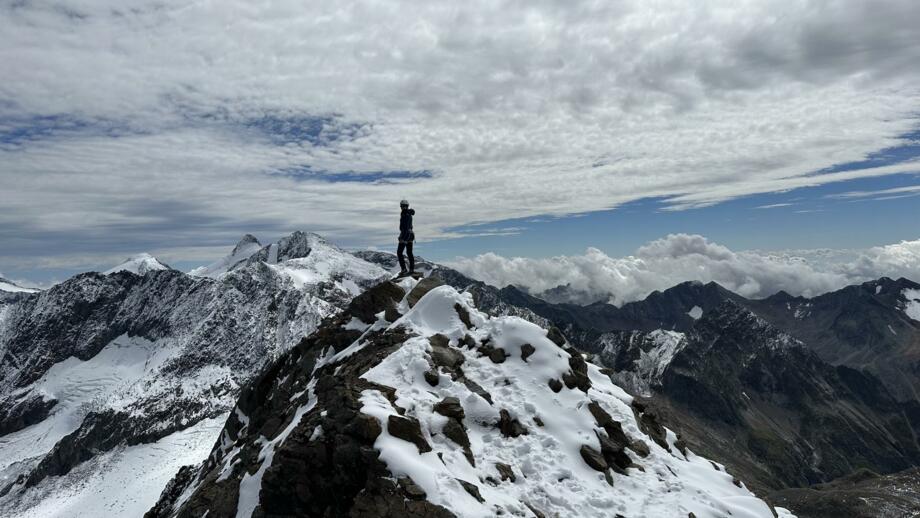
[(550, 474), (695, 312), (139, 264), (912, 303), (104, 381), (652, 363), (123, 482), (252, 484)]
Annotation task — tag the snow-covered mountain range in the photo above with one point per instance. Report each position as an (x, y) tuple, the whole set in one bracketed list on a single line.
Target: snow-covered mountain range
[(104, 375), (113, 384)]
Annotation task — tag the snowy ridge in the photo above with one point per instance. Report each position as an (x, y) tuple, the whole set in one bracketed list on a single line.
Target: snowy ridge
[(247, 246), (140, 264), (11, 287), (551, 474), (471, 415)]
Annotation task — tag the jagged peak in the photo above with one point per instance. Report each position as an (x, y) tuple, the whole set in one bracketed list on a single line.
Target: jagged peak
[(248, 241)]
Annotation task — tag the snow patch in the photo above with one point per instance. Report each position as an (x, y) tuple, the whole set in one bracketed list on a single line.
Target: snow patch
[(695, 312), (912, 303)]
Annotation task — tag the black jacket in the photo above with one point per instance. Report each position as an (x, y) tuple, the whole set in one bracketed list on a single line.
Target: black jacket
[(405, 225)]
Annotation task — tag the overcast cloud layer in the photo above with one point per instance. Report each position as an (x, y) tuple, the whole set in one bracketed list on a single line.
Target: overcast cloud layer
[(173, 126), (676, 258)]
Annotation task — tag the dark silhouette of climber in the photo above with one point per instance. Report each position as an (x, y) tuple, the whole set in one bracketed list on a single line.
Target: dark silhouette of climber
[(406, 237)]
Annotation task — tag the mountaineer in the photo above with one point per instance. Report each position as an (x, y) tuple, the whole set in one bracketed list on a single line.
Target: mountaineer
[(406, 237)]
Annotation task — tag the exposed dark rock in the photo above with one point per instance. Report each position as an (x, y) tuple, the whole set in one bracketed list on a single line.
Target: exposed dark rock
[(556, 336), (614, 453), (505, 472), (408, 430), (443, 355), (578, 376), (555, 385), (476, 389), (422, 288), (391, 314), (464, 315), (498, 355), (25, 413), (450, 407), (381, 297), (593, 458), (412, 490), (455, 431), (640, 447), (472, 489), (526, 351), (432, 377), (510, 427), (649, 424)]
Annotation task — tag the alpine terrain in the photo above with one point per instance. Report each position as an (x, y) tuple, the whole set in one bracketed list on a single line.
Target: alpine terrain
[(110, 382), (412, 402)]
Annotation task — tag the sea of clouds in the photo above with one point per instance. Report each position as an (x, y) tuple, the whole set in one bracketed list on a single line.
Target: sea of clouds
[(676, 258)]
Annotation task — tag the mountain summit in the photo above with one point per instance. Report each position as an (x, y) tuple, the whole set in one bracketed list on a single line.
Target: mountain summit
[(414, 403), (140, 264)]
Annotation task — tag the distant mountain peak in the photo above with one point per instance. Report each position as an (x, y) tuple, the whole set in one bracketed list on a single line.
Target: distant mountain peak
[(139, 264), (247, 241)]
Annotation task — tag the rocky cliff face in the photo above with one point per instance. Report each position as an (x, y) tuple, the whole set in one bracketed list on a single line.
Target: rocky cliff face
[(413, 402), (758, 399), (96, 368)]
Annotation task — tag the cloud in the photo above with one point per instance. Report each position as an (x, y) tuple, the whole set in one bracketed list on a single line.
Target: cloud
[(676, 258), (881, 194), (480, 112)]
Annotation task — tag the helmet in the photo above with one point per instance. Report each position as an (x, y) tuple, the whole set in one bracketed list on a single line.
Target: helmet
[(404, 203)]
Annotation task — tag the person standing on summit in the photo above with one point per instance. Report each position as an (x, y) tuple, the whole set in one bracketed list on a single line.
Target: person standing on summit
[(406, 237)]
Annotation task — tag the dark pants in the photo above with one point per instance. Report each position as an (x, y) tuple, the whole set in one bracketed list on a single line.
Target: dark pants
[(407, 246)]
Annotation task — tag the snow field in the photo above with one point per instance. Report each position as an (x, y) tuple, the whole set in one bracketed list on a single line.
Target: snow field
[(124, 482)]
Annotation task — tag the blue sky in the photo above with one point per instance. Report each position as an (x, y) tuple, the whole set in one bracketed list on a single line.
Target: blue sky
[(806, 218), (173, 129)]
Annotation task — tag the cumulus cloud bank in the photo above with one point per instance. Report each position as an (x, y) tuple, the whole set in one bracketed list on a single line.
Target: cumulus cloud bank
[(676, 258), (166, 125)]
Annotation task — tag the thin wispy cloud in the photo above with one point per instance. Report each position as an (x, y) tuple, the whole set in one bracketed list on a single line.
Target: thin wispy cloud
[(882, 194), (163, 125)]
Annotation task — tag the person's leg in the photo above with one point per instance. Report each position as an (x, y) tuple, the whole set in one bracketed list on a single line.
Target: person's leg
[(411, 256), (399, 254)]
